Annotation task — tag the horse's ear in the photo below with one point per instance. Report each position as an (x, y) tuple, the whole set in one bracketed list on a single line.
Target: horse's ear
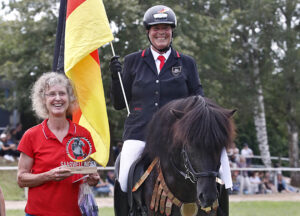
[(178, 114), (231, 113)]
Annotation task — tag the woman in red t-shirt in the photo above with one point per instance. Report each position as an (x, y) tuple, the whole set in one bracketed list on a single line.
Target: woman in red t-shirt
[(47, 148)]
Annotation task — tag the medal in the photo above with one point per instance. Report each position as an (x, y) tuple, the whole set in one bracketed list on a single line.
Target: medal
[(189, 209)]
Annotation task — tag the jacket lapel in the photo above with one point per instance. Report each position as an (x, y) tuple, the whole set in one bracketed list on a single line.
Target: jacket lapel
[(172, 60), (148, 58)]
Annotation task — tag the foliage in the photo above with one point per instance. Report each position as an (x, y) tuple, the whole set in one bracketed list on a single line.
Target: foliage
[(26, 47)]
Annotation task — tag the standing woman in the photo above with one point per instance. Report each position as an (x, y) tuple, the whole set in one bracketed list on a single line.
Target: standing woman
[(151, 78), (44, 148)]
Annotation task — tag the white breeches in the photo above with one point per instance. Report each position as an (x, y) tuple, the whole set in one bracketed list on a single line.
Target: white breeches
[(132, 149), (225, 172)]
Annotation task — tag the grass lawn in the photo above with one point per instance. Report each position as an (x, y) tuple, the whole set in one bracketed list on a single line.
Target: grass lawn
[(102, 212), (264, 208), (10, 188), (236, 209)]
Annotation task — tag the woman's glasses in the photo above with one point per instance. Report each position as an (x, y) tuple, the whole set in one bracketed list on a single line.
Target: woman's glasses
[(54, 94)]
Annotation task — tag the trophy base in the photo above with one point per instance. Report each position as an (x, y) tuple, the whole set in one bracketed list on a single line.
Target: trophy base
[(83, 170)]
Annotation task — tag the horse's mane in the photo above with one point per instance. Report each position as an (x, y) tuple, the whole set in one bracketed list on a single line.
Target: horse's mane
[(192, 121)]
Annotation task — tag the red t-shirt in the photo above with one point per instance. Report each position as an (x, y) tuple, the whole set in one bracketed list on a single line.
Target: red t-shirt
[(53, 198)]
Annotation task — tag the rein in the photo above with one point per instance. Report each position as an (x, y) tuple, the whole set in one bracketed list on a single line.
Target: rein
[(189, 172)]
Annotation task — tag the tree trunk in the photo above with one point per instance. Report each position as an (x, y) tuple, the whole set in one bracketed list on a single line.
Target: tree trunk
[(293, 137), (260, 119)]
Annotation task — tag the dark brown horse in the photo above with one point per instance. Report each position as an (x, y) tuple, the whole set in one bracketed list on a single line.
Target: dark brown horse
[(187, 137)]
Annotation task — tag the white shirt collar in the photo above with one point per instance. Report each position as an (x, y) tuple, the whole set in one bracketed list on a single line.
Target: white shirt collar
[(155, 56)]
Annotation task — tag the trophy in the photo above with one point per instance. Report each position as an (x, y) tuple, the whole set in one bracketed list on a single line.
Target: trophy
[(79, 150)]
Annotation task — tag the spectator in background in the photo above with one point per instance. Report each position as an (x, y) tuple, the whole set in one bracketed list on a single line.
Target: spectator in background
[(247, 153), (110, 178), (11, 143), (7, 151), (2, 204), (18, 132), (283, 185), (117, 149), (10, 137), (255, 183), (236, 184), (243, 177), (233, 154), (268, 185), (102, 188)]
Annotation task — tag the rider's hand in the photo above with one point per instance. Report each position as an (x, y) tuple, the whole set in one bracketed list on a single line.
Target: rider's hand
[(115, 66)]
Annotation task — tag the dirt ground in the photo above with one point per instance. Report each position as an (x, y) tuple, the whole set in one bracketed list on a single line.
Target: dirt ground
[(108, 201)]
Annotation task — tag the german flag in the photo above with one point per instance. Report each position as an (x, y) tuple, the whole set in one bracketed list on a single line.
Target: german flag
[(87, 29)]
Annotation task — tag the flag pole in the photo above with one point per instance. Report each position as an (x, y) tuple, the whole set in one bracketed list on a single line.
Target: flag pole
[(121, 83)]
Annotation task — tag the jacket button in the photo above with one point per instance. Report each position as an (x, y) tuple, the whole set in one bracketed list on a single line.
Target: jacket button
[(156, 104), (156, 92), (157, 81)]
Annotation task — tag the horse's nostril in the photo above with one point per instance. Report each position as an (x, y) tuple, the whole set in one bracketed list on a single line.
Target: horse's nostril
[(206, 201), (201, 199)]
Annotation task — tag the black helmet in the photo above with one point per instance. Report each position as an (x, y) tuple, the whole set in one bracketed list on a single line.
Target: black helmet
[(159, 14)]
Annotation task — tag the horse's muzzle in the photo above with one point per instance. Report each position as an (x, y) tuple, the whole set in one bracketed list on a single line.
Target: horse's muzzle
[(206, 200), (209, 208)]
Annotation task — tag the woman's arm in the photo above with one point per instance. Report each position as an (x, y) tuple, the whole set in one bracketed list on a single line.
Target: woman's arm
[(28, 179), (2, 204)]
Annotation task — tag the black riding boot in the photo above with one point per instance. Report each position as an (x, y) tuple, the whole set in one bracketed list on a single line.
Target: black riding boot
[(223, 209), (120, 201)]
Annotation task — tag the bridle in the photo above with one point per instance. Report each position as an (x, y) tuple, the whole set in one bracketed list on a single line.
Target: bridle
[(189, 172)]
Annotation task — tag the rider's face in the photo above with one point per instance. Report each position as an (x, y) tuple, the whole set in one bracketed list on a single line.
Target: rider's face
[(160, 36)]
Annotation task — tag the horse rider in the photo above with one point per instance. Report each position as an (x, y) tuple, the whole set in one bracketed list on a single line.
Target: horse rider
[(151, 78)]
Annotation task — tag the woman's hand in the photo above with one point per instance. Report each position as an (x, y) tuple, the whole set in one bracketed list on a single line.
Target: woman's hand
[(28, 179), (93, 179), (59, 173)]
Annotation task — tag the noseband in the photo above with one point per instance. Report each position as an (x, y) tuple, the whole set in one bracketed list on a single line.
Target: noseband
[(189, 172)]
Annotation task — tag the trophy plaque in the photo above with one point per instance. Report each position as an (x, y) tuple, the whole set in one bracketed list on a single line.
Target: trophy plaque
[(79, 150)]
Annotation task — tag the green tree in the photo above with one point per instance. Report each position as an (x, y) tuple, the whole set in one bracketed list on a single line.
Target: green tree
[(286, 55), (26, 47)]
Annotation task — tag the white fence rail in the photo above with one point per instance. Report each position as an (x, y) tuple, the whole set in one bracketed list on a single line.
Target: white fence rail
[(277, 169), (16, 168)]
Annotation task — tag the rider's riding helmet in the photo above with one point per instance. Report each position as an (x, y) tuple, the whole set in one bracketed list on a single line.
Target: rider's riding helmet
[(159, 14)]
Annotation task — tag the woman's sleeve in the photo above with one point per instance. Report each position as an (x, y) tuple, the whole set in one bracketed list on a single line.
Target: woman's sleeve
[(194, 84), (25, 144), (116, 90)]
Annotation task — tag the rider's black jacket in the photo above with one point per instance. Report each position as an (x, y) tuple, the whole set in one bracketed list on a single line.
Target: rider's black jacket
[(147, 91)]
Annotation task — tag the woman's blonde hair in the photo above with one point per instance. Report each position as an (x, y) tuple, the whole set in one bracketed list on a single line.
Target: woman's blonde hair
[(43, 83)]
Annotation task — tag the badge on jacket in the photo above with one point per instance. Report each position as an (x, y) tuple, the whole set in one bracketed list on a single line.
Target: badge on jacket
[(176, 70)]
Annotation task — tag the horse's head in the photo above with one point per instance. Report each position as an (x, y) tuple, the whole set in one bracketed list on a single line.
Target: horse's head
[(202, 131), (193, 133)]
